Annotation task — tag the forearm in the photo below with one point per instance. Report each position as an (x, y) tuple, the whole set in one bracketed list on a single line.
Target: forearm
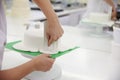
[(114, 11), (47, 9), (111, 3), (17, 73)]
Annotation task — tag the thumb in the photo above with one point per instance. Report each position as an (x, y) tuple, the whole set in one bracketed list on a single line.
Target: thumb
[(50, 41)]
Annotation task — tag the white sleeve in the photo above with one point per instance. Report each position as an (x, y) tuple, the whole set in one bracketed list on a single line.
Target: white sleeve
[(1, 55)]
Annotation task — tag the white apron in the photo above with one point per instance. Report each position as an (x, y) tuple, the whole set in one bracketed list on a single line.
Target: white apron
[(2, 32)]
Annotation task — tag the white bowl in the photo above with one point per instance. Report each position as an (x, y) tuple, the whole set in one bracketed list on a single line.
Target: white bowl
[(116, 35)]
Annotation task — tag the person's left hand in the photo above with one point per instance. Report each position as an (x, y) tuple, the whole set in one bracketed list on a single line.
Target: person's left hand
[(53, 31)]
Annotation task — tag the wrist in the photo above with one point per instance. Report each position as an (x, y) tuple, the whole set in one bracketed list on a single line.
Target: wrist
[(52, 17), (32, 64)]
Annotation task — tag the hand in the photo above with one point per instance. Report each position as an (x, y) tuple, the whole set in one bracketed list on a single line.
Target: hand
[(114, 15), (53, 31), (42, 62)]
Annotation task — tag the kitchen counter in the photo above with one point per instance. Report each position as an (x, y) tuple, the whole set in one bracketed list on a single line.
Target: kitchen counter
[(92, 61), (89, 62)]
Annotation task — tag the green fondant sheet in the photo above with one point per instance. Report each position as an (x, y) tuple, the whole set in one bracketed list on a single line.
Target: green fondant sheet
[(59, 53)]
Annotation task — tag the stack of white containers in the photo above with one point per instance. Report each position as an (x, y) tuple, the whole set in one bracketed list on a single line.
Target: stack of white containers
[(21, 9)]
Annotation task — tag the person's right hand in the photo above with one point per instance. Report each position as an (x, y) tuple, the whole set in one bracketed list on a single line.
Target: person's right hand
[(42, 62), (53, 30), (114, 15)]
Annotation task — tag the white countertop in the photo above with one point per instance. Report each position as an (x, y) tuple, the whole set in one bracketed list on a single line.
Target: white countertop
[(89, 62)]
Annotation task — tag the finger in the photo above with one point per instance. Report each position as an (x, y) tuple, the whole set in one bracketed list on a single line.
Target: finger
[(62, 31), (113, 19), (46, 68), (47, 55), (61, 35), (51, 63), (59, 38), (50, 41), (48, 37)]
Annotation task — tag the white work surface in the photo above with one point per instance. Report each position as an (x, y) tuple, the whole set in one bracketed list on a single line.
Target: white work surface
[(89, 62)]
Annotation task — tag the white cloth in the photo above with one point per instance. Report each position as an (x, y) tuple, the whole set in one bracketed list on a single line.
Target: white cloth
[(2, 32)]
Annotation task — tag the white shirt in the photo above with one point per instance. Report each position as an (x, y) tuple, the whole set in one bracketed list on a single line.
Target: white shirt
[(2, 31), (97, 6)]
